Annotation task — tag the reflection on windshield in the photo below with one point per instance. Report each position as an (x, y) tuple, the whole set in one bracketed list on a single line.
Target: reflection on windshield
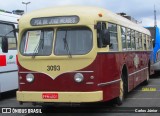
[(38, 42), (79, 41), (66, 45)]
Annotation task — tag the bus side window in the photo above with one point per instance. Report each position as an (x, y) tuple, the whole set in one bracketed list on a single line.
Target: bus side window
[(150, 47), (113, 37), (133, 40), (128, 39), (140, 41), (12, 45), (137, 40), (123, 38), (149, 42), (145, 44)]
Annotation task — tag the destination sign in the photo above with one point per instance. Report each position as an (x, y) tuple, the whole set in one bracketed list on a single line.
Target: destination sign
[(54, 20)]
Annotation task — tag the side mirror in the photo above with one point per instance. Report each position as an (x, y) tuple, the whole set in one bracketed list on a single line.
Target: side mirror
[(105, 34), (104, 38), (4, 44)]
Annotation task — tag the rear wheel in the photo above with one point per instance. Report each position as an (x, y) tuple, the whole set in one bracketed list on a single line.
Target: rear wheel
[(120, 98), (147, 80)]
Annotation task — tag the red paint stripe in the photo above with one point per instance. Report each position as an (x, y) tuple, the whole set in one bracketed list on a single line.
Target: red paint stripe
[(3, 60)]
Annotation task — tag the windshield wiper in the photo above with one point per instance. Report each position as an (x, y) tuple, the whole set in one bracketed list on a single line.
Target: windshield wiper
[(14, 30), (66, 45)]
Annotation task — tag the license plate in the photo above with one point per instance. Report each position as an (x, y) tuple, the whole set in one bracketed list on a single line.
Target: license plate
[(50, 95)]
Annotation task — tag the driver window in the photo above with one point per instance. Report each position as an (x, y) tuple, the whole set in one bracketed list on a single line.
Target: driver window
[(113, 37)]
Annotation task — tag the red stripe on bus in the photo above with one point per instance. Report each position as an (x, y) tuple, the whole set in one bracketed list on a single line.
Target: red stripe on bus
[(3, 60)]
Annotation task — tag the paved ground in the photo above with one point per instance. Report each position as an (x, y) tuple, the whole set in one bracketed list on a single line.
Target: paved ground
[(142, 96)]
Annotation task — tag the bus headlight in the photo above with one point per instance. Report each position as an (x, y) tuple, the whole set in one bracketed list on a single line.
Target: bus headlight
[(78, 77), (30, 78)]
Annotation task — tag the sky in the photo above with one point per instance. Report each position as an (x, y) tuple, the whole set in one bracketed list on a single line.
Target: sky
[(141, 10)]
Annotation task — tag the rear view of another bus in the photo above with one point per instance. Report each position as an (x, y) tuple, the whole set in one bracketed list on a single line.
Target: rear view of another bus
[(8, 63)]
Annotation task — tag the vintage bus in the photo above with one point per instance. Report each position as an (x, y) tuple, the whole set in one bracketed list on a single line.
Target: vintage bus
[(155, 34), (8, 62), (76, 54)]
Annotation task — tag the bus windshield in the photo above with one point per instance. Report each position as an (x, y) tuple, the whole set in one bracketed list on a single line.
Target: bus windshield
[(73, 41), (5, 31), (37, 42), (68, 41)]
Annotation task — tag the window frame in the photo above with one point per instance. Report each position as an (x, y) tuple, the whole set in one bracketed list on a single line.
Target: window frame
[(41, 29)]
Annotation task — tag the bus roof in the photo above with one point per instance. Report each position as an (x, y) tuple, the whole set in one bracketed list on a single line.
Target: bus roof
[(88, 15), (7, 17)]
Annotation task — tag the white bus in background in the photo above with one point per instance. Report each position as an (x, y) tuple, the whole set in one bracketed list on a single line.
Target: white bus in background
[(8, 61)]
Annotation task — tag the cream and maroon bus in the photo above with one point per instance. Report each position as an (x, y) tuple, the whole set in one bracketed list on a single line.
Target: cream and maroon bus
[(76, 54)]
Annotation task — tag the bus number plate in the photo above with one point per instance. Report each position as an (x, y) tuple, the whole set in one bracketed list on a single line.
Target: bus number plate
[(50, 95), (53, 68)]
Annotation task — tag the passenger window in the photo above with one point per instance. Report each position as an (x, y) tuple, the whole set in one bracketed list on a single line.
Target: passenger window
[(128, 39), (150, 47), (12, 45), (133, 40), (149, 43), (137, 40), (140, 40), (113, 36), (123, 37), (145, 45)]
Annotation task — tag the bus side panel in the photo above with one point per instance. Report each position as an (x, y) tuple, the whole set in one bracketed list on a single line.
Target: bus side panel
[(108, 70), (138, 73), (8, 81), (8, 71)]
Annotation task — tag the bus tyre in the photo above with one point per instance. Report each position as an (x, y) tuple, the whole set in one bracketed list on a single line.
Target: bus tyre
[(120, 98), (147, 80)]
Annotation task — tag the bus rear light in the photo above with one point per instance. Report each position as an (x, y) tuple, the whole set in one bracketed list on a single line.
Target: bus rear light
[(30, 78), (78, 77)]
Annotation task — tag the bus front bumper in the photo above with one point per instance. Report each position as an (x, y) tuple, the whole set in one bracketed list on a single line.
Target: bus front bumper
[(62, 97)]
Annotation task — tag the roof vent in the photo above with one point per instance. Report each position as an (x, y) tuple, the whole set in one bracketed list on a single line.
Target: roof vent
[(129, 17)]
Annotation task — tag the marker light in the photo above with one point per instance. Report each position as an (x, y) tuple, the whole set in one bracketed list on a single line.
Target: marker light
[(78, 77), (30, 78), (100, 15)]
